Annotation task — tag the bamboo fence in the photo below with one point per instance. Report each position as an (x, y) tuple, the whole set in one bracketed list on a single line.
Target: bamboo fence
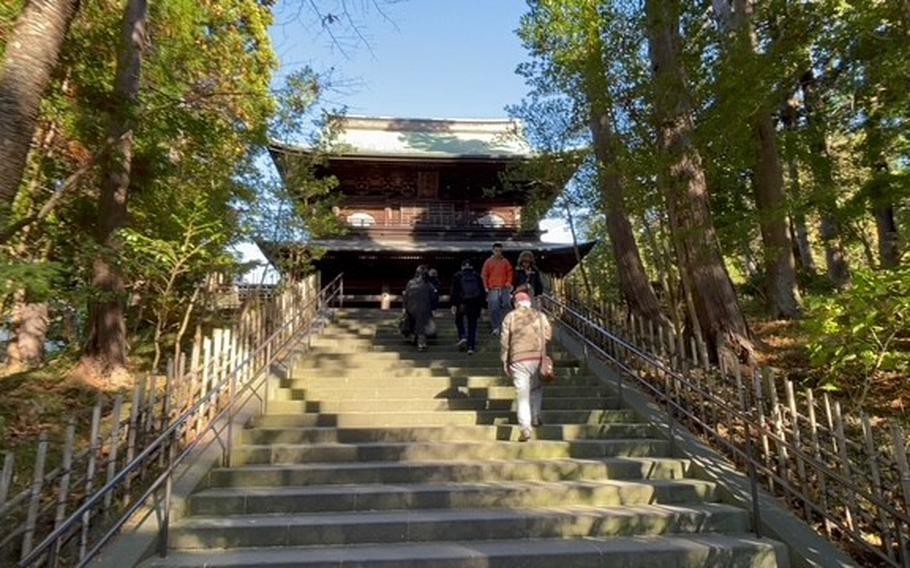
[(36, 500), (845, 473)]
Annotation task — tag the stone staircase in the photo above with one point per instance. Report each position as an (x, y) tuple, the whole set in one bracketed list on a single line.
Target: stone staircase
[(373, 454)]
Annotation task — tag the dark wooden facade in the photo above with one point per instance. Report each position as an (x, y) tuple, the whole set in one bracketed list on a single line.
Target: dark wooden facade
[(405, 208)]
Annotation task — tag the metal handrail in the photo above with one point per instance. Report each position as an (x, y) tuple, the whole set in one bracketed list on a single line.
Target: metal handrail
[(51, 545), (752, 426)]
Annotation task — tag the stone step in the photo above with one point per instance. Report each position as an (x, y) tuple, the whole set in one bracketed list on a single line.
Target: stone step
[(397, 419), (471, 450), (318, 435), (374, 497), (403, 372), (427, 404), (430, 418), (374, 346), (387, 343), (438, 361), (562, 373), (375, 454), (457, 376), (679, 551), (390, 333), (403, 353), (422, 525), (423, 390), (484, 471)]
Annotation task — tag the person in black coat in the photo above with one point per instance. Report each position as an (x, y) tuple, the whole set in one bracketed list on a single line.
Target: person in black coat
[(433, 279), (418, 303), (468, 299), (526, 273)]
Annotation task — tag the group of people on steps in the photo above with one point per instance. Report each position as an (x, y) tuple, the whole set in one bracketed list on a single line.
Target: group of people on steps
[(509, 294)]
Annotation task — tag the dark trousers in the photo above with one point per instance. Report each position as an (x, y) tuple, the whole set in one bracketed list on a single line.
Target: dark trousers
[(471, 313)]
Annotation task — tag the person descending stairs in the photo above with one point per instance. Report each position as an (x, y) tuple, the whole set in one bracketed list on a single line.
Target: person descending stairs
[(373, 454)]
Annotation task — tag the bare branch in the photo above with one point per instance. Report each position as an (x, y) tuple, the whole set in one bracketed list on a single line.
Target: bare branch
[(327, 20)]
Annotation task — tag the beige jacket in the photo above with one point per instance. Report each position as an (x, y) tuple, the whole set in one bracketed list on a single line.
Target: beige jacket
[(520, 336)]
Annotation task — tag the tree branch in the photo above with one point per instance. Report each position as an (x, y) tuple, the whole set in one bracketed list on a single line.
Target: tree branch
[(68, 184)]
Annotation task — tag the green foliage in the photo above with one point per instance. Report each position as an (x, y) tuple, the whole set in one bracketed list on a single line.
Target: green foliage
[(205, 100), (37, 280), (863, 331), (9, 11)]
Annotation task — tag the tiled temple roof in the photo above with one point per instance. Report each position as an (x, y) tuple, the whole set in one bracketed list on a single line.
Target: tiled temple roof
[(426, 138)]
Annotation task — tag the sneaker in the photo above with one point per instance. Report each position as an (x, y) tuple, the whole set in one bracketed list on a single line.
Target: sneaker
[(470, 351), (525, 435), (495, 332), (462, 343), (537, 422), (421, 347)]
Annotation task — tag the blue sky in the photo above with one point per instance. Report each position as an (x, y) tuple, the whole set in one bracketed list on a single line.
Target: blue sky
[(425, 58), (415, 59)]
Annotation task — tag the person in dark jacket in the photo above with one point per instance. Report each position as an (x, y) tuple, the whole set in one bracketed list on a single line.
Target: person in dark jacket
[(433, 279), (468, 298), (527, 273), (418, 303)]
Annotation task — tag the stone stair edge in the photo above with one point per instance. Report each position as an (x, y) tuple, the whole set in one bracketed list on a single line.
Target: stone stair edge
[(704, 550)]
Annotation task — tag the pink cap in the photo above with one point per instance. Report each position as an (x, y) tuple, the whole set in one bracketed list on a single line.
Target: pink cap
[(522, 297)]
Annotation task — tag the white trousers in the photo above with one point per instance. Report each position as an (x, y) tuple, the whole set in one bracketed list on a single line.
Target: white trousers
[(526, 378)]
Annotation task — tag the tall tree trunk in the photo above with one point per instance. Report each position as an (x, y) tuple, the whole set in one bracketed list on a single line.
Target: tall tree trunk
[(783, 295), (29, 61), (29, 326), (835, 258), (715, 299), (886, 227), (799, 231), (107, 344), (633, 280), (578, 258), (858, 231), (880, 191), (802, 253), (824, 196), (768, 178), (752, 268)]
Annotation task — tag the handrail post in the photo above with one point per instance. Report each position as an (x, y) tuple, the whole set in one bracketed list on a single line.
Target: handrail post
[(750, 457), (619, 375), (168, 489), (671, 429)]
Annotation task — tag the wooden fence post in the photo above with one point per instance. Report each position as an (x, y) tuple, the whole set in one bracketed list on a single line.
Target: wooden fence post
[(6, 477), (899, 443), (783, 455), (762, 423), (217, 370), (63, 489), (850, 498), (797, 441), (817, 454), (94, 446), (205, 382), (132, 436), (115, 446), (872, 457), (34, 504), (151, 416)]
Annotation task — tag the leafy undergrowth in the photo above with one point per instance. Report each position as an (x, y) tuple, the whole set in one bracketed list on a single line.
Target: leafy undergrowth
[(784, 346), (45, 399)]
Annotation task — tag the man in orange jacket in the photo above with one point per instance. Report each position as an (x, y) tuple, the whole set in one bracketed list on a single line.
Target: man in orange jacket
[(497, 277)]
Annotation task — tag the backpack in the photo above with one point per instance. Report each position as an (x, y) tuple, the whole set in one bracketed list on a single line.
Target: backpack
[(471, 286)]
